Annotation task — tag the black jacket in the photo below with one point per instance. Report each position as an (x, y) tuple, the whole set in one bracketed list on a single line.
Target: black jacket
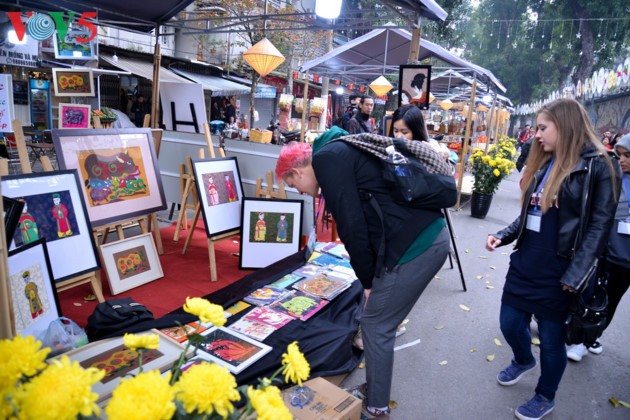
[(342, 170), (357, 125), (599, 203)]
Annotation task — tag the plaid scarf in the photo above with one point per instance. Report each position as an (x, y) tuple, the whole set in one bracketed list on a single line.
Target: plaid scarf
[(374, 144)]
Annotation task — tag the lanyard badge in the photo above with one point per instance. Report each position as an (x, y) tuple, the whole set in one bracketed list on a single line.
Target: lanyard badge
[(534, 216)]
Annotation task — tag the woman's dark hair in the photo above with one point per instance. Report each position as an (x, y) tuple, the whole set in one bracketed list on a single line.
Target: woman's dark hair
[(413, 119), (418, 80)]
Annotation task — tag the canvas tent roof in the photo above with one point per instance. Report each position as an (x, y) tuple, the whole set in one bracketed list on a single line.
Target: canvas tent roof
[(382, 51), (456, 86)]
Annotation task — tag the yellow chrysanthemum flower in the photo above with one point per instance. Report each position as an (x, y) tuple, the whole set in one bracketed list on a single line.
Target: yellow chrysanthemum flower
[(206, 311), (492, 163), (268, 403), (296, 367), (147, 396), (21, 356), (496, 172), (205, 388), (62, 391), (145, 341)]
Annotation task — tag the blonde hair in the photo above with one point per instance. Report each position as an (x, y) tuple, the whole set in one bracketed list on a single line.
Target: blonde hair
[(575, 131)]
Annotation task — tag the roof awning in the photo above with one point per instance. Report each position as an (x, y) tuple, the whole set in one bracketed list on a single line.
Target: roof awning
[(143, 69), (217, 85)]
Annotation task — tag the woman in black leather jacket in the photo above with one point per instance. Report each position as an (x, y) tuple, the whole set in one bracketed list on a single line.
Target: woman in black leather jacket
[(561, 232)]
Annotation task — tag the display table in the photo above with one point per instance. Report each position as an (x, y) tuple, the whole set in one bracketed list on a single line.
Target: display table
[(325, 339)]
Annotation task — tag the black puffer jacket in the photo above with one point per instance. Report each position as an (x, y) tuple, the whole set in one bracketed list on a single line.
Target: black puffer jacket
[(599, 204)]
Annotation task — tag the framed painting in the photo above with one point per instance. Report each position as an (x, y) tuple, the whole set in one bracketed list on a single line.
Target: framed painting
[(73, 82), (34, 301), (270, 231), (131, 262), (12, 211), (72, 49), (231, 349), (220, 190), (414, 84), (74, 116), (54, 209), (118, 361), (117, 168)]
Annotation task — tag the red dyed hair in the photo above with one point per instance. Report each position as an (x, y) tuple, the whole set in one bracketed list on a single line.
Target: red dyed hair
[(293, 155)]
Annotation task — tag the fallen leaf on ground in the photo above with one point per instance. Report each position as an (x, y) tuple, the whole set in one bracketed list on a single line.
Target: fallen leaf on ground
[(504, 253), (483, 256), (493, 267), (439, 327), (536, 341), (498, 342), (443, 363), (489, 287), (490, 357), (392, 404), (473, 350), (464, 307), (405, 321), (467, 250), (362, 365), (436, 277), (616, 403), (479, 277)]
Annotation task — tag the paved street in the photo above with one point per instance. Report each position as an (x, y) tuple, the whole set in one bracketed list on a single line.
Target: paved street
[(448, 374)]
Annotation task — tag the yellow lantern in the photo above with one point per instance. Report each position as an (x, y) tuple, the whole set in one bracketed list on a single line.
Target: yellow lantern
[(381, 86), (446, 104), (481, 108), (431, 97), (263, 57)]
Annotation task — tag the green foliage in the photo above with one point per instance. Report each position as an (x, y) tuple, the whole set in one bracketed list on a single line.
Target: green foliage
[(489, 170)]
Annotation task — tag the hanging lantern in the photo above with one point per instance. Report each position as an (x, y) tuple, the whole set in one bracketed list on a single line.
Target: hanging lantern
[(381, 86), (446, 104), (263, 57), (431, 97), (337, 82), (481, 108), (361, 89), (350, 86)]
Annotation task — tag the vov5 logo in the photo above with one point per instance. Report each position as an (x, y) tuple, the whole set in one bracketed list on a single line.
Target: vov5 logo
[(41, 26)]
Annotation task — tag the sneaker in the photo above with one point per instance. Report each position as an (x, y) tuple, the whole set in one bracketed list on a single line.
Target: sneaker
[(367, 413), (535, 409), (513, 373), (576, 352), (596, 348)]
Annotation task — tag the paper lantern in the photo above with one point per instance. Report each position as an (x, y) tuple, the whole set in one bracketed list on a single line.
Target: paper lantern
[(431, 97), (263, 57), (481, 108), (446, 104), (350, 86), (381, 86)]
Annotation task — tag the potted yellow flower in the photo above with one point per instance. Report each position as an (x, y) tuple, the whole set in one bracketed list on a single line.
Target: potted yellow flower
[(488, 171)]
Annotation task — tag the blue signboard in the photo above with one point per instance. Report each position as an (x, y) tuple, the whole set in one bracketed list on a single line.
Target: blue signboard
[(265, 92)]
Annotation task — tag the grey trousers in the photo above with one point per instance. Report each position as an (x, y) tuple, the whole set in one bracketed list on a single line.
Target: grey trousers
[(391, 299)]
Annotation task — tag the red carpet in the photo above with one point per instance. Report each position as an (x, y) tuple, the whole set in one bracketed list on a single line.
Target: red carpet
[(184, 275)]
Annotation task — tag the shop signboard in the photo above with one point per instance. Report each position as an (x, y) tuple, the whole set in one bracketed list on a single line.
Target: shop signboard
[(6, 102), (268, 92), (20, 55)]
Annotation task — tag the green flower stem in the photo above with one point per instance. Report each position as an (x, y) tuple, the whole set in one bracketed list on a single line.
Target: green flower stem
[(140, 356)]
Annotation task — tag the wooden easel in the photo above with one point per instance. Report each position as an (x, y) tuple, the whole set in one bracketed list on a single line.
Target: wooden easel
[(269, 192), (187, 184), (92, 277), (212, 240)]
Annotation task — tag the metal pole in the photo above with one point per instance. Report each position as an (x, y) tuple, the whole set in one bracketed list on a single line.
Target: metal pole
[(304, 108), (462, 168)]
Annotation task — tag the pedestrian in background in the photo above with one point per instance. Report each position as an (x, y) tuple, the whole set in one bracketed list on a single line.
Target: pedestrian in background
[(139, 108), (556, 243), (617, 262), (360, 122)]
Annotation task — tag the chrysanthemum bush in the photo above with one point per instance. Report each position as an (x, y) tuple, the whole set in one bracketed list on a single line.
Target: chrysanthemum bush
[(489, 169), (30, 388)]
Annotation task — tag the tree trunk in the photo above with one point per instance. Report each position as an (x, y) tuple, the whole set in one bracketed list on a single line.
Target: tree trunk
[(585, 67)]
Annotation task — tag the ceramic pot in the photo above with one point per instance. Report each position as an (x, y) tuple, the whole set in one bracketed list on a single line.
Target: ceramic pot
[(480, 204)]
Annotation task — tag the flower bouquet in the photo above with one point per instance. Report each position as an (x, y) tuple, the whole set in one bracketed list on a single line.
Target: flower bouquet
[(298, 103), (31, 388), (489, 170), (285, 102), (317, 106)]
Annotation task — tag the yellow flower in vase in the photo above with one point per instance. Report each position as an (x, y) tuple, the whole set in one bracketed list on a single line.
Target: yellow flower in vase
[(206, 311), (496, 172), (147, 396), (139, 342), (21, 356), (268, 403), (296, 367), (206, 388), (62, 391)]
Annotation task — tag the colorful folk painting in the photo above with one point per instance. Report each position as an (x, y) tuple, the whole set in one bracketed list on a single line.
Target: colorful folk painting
[(237, 307), (113, 175), (322, 286), (180, 333), (29, 297), (50, 215), (132, 262), (220, 188), (229, 348), (74, 116), (271, 227), (119, 361), (72, 82), (253, 329), (269, 316), (299, 305)]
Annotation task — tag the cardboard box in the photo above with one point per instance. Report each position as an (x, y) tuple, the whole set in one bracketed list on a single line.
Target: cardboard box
[(329, 403), (260, 136)]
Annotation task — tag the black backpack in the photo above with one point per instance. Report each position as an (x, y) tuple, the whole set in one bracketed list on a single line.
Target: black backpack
[(116, 315)]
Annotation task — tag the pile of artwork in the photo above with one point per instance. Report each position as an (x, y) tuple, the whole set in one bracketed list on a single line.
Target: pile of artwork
[(296, 296)]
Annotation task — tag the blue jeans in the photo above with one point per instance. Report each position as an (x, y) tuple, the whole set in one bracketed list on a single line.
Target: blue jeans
[(553, 355)]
